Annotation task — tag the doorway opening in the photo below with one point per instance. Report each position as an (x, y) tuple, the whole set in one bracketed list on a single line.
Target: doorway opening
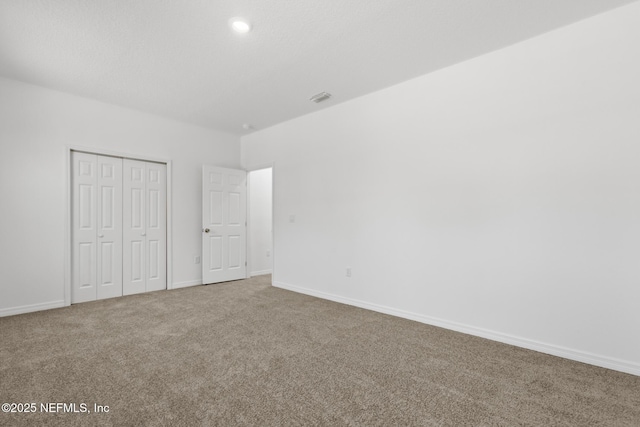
[(260, 230)]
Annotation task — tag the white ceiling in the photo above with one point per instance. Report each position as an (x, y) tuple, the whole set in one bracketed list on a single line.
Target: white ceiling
[(179, 59)]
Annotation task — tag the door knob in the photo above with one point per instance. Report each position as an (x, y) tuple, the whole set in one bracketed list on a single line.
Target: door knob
[(100, 235), (206, 230), (143, 234)]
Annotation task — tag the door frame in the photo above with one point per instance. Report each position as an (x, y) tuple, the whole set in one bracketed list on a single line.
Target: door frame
[(272, 166), (68, 226)]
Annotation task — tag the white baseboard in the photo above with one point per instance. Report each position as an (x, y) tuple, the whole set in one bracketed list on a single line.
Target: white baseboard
[(11, 311), (260, 273), (187, 284), (554, 350)]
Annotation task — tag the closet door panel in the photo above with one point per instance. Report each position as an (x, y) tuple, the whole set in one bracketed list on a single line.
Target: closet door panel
[(134, 227), (119, 234), (156, 221), (109, 221), (83, 218)]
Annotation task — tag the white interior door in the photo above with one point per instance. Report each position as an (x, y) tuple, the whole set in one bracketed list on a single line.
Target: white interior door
[(134, 227), (109, 227), (156, 220), (144, 227), (119, 226), (84, 237), (224, 224), (97, 227)]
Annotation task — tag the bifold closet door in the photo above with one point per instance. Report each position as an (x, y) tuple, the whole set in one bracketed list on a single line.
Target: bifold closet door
[(97, 227), (144, 226)]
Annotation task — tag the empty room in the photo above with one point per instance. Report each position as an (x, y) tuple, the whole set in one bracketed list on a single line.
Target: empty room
[(358, 213)]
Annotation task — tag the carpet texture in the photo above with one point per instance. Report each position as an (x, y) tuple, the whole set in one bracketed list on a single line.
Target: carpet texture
[(245, 353)]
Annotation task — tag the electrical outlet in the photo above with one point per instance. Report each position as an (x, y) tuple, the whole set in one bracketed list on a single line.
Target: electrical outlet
[(292, 218), (197, 260), (348, 271), (268, 254)]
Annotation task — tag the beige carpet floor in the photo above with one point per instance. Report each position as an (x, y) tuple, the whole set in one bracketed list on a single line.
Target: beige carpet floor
[(245, 353)]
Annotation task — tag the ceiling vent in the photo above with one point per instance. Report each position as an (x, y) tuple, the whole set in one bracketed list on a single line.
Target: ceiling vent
[(322, 96)]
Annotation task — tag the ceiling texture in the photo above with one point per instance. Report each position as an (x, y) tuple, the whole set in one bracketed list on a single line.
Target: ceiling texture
[(180, 59)]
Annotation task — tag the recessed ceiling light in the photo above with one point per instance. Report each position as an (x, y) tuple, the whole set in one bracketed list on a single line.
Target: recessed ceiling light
[(240, 25)]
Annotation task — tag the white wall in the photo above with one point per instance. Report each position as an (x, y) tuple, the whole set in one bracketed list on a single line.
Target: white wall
[(36, 125), (260, 223), (499, 197)]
